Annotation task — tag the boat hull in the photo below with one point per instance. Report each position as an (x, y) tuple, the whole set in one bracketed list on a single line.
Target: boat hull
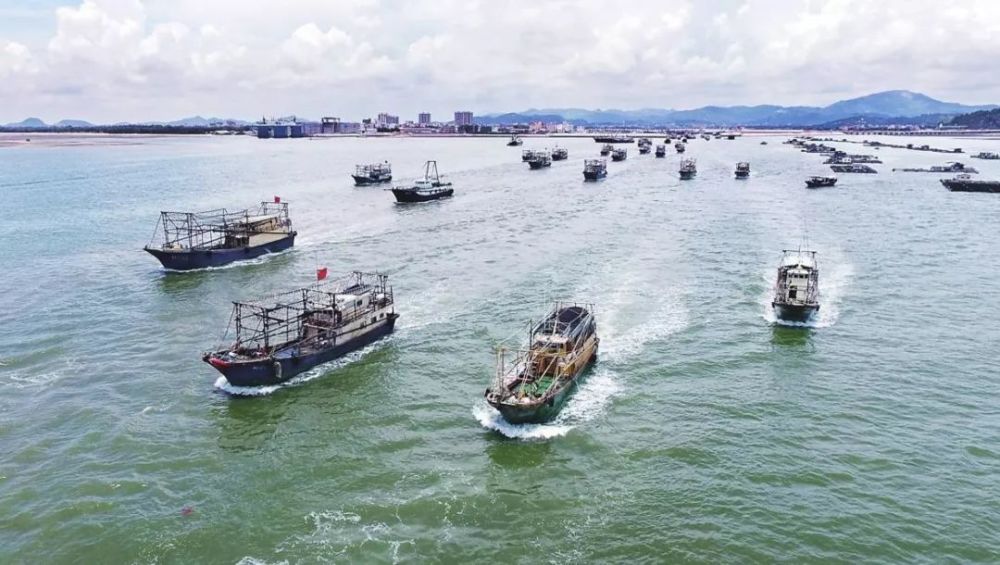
[(587, 175), (543, 412), (190, 259), (794, 312), (539, 164), (971, 186), (742, 175), (410, 196), (687, 176), (368, 181), (266, 372)]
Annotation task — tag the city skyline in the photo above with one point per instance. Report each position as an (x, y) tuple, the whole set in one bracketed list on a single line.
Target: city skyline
[(106, 61)]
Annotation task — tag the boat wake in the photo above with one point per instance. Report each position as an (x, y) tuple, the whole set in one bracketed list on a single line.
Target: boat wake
[(223, 385), (834, 280), (589, 401)]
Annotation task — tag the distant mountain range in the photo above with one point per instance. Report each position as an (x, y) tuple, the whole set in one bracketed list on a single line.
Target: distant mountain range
[(880, 107), (194, 121)]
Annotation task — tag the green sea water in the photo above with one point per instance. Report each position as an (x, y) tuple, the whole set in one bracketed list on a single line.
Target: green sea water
[(706, 433)]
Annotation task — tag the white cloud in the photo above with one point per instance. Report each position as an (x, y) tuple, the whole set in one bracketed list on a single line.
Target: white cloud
[(156, 59)]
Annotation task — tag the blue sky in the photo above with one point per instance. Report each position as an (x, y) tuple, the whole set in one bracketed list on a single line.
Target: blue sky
[(112, 60)]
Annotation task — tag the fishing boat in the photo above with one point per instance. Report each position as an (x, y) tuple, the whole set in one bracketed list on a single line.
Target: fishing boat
[(560, 154), (679, 147), (965, 183), (431, 187), (515, 141), (375, 173), (606, 149), (763, 143), (195, 240), (951, 167), (594, 169), (706, 137), (688, 169), (661, 150), (645, 145), (540, 159), (532, 385), (614, 139), (619, 154), (667, 141), (644, 149), (820, 182), (796, 290), (742, 170), (526, 155), (289, 333), (853, 168), (989, 155)]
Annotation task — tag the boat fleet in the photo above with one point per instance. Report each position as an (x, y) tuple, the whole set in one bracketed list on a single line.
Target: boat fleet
[(276, 338)]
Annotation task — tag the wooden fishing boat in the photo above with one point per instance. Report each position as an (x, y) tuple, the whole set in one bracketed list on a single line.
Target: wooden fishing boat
[(619, 154), (515, 141), (560, 154), (431, 187), (540, 159), (594, 169), (532, 385), (688, 169), (287, 334), (195, 240), (820, 182), (796, 290), (375, 173), (742, 170)]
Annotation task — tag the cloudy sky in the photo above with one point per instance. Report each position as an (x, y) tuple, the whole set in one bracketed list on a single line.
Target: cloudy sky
[(112, 60)]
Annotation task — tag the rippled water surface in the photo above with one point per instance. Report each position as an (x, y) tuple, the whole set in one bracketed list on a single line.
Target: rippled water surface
[(705, 433)]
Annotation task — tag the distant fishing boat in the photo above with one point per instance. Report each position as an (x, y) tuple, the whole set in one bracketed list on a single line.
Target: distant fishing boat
[(515, 141), (196, 240), (289, 333), (742, 170), (532, 385), (526, 155), (606, 150), (796, 290), (853, 168), (614, 139), (375, 173), (619, 154), (965, 183), (989, 155), (560, 154), (594, 169), (688, 169), (428, 188), (679, 146), (661, 150), (645, 145), (540, 159), (951, 167), (820, 182)]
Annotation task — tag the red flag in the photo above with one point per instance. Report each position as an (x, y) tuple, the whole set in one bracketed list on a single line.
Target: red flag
[(321, 273), (277, 200)]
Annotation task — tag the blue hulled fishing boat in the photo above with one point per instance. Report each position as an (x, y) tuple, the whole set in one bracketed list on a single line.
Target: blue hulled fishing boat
[(196, 240)]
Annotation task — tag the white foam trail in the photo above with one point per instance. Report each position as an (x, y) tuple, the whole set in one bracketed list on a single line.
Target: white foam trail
[(490, 418), (834, 279), (588, 401), (223, 385), (629, 301)]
